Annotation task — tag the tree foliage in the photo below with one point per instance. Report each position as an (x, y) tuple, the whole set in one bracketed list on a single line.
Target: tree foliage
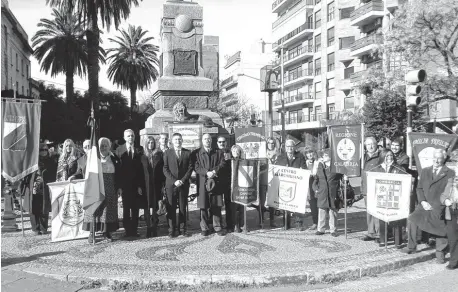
[(238, 114)]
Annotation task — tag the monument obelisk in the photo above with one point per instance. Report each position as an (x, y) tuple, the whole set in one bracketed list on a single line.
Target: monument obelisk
[(182, 77)]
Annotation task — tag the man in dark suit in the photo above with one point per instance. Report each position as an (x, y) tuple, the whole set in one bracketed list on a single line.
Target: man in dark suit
[(132, 183), (209, 163), (427, 215), (291, 159), (225, 182), (178, 168)]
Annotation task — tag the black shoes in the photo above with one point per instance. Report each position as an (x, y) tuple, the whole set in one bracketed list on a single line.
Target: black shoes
[(221, 233), (334, 234), (172, 234), (91, 238), (205, 232), (319, 233), (450, 267), (409, 251), (367, 238), (185, 233)]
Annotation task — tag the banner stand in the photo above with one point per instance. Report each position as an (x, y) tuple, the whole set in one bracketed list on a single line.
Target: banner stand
[(345, 203), (245, 230)]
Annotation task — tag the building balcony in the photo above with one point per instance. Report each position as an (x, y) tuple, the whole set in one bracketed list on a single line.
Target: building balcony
[(229, 81), (298, 77), (357, 77), (295, 56), (296, 5), (300, 122), (293, 100), (367, 13), (365, 45), (228, 97), (300, 32)]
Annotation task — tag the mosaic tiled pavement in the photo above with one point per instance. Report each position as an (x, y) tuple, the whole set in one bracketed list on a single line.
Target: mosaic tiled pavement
[(260, 255)]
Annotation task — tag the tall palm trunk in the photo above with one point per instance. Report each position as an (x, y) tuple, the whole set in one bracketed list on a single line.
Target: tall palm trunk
[(69, 85), (93, 36), (133, 97)]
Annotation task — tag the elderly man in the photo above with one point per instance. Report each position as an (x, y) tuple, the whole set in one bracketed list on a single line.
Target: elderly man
[(450, 199), (427, 215), (371, 160), (291, 159)]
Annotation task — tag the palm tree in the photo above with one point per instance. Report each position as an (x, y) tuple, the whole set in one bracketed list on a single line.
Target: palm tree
[(110, 11), (133, 64), (60, 47)]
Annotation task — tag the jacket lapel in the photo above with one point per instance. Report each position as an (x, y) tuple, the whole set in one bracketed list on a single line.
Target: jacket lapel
[(440, 175)]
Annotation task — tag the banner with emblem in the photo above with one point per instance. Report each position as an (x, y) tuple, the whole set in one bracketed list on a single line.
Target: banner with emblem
[(253, 142), (388, 195), (423, 145), (288, 188), (20, 139), (67, 210), (345, 143), (245, 181)]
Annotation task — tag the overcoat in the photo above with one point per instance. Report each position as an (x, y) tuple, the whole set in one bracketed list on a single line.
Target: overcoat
[(430, 189), (326, 185), (131, 178), (298, 161), (153, 168), (205, 162), (177, 169), (370, 162)]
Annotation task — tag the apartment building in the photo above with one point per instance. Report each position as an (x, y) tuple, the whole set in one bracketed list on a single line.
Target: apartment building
[(16, 53), (241, 77), (313, 39)]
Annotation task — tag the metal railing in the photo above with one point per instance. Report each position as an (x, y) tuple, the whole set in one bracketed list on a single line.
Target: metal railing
[(276, 3), (371, 6), (294, 98), (228, 80), (306, 25), (298, 74), (366, 41), (298, 6)]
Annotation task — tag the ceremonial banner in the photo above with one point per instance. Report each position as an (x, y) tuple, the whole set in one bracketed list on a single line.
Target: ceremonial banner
[(191, 133), (20, 139), (423, 145), (253, 142), (245, 181), (388, 195), (67, 210), (346, 144), (288, 188)]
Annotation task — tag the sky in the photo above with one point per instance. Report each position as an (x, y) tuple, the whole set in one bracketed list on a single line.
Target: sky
[(238, 23)]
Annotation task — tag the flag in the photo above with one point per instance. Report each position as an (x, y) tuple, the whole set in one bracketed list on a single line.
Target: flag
[(346, 144), (20, 139), (423, 145), (253, 142), (94, 190), (245, 181)]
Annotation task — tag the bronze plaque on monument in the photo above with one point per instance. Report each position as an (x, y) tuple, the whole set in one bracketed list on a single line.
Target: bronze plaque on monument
[(185, 62)]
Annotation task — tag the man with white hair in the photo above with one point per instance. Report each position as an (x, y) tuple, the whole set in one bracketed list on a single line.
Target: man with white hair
[(427, 215)]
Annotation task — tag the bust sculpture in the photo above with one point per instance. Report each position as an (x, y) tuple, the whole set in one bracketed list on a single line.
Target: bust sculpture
[(180, 113)]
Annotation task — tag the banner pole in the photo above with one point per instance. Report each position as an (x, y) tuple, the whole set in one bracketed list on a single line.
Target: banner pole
[(261, 212), (22, 216), (93, 230), (345, 203), (245, 230), (362, 147), (386, 234)]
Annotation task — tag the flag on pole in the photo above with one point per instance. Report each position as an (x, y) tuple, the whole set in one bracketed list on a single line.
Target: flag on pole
[(94, 190), (424, 144), (346, 153)]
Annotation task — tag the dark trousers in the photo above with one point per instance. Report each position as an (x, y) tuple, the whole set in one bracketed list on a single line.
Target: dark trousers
[(130, 220), (177, 199), (216, 216), (152, 220), (39, 222), (228, 206), (314, 210), (238, 214), (412, 230), (396, 228), (451, 228)]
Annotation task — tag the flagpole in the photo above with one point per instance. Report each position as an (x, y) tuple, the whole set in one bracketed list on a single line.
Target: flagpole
[(93, 215), (345, 203)]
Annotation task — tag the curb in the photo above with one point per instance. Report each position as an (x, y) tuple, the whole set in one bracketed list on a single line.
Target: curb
[(243, 280)]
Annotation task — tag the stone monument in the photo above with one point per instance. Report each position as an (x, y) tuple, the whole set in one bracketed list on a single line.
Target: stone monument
[(183, 90)]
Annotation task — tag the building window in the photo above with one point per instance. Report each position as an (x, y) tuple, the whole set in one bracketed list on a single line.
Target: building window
[(330, 87), (349, 102), (27, 92), (331, 111), (317, 19), (317, 87), (17, 87), (346, 12), (348, 71), (346, 42), (318, 113), (331, 60), (330, 36), (17, 63), (331, 11), (22, 90), (27, 71), (22, 66), (318, 43), (318, 67)]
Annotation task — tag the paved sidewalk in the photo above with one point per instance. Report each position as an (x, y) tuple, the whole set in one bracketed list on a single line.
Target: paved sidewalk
[(261, 257)]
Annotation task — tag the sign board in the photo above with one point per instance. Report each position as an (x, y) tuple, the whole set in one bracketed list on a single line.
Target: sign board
[(191, 133), (185, 62), (424, 144), (245, 181), (67, 210), (346, 144), (388, 195), (288, 188), (253, 142)]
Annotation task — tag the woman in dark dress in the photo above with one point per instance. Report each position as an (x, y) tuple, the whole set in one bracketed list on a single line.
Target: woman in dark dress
[(106, 216), (153, 164), (67, 165)]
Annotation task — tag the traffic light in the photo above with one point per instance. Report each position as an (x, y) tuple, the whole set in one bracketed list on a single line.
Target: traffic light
[(413, 89)]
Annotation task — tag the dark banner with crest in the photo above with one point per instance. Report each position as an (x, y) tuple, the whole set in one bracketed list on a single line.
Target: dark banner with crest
[(424, 144), (253, 142), (346, 144)]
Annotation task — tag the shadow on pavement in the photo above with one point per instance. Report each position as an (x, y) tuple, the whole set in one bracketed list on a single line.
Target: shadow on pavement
[(19, 260)]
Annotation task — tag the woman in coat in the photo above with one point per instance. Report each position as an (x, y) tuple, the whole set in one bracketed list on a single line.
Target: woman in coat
[(106, 216), (389, 165), (325, 187), (237, 209), (67, 165), (311, 163), (153, 164)]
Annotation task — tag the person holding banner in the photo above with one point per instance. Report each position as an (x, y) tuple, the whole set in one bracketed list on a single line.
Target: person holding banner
[(428, 214), (35, 191), (371, 160), (449, 199), (389, 165), (67, 165), (325, 187)]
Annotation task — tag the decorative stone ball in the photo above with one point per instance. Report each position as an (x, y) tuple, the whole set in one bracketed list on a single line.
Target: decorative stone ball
[(183, 23)]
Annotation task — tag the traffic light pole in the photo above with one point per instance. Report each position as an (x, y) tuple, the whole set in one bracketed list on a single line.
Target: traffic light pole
[(409, 130)]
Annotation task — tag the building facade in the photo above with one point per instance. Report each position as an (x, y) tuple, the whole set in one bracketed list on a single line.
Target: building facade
[(16, 53)]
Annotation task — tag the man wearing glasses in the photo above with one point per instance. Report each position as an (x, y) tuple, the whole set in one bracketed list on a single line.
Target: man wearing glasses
[(225, 182)]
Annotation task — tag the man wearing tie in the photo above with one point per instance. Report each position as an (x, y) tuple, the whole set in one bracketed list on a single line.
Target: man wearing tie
[(132, 184), (427, 215), (178, 167), (209, 164)]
